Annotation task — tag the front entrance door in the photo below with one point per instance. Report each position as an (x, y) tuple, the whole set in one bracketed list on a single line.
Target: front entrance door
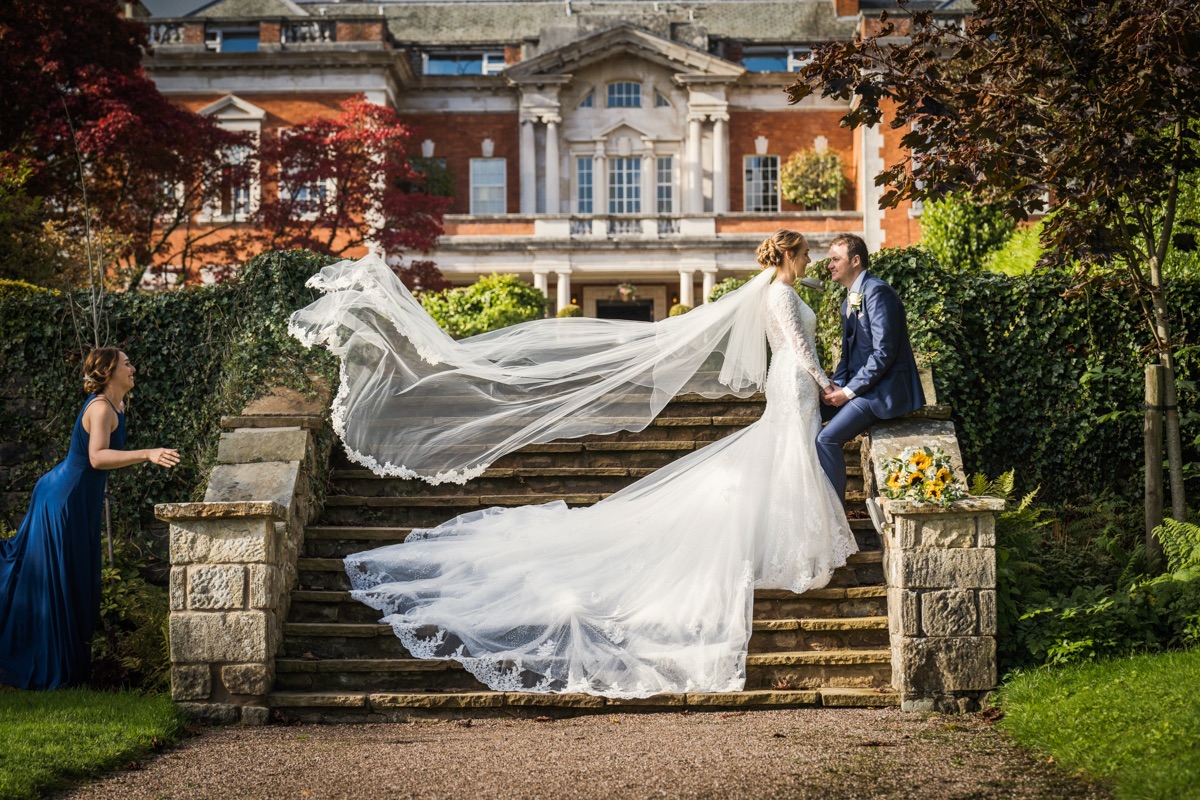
[(641, 310)]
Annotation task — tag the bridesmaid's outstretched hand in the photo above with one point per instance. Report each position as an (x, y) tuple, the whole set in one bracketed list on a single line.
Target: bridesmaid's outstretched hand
[(163, 456)]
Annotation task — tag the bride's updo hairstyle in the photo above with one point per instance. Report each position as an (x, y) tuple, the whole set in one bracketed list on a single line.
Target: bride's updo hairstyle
[(770, 252), (98, 368)]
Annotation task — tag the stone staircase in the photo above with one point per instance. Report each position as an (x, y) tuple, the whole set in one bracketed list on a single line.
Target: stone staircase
[(337, 663)]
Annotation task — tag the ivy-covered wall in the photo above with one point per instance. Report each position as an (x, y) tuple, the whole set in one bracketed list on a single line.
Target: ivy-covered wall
[(199, 353), (1041, 381)]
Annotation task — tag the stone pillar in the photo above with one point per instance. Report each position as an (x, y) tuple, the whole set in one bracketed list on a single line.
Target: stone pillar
[(687, 278), (564, 289), (940, 567), (553, 183), (693, 169), (540, 283), (600, 181), (710, 281), (650, 185), (226, 616), (528, 168), (720, 169)]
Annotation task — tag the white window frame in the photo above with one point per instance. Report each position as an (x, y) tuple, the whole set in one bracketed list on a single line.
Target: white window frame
[(748, 181), (622, 95), (664, 179), (491, 61), (212, 210), (325, 186), (585, 191), (503, 186), (798, 57), (625, 184)]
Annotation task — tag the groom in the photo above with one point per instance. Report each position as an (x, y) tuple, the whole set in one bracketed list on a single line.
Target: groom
[(876, 377)]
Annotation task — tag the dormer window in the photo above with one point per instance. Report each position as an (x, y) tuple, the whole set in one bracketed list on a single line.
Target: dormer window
[(463, 63), (625, 94), (588, 101), (775, 59)]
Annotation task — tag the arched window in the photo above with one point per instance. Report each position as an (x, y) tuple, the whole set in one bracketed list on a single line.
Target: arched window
[(625, 94), (660, 101), (588, 101)]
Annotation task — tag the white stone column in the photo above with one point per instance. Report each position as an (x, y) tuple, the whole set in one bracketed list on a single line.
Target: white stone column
[(686, 278), (710, 281), (528, 168), (649, 183), (720, 169), (541, 283), (564, 289), (553, 184), (693, 168), (600, 181)]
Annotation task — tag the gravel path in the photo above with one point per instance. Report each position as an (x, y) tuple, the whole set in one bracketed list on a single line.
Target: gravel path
[(830, 754)]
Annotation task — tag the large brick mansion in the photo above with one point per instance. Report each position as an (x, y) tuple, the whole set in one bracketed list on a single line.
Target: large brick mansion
[(591, 142)]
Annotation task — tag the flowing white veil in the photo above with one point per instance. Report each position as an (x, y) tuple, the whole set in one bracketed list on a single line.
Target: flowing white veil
[(415, 403)]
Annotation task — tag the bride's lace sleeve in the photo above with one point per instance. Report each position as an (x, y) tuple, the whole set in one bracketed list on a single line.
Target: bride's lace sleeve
[(784, 305)]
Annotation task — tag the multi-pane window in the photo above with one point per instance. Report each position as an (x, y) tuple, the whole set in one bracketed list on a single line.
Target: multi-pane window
[(625, 94), (775, 59), (762, 183), (585, 184), (488, 186), (664, 184), (232, 40), (470, 63), (234, 193), (625, 185)]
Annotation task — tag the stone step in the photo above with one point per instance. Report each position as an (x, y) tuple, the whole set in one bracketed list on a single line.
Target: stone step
[(363, 706), (782, 670), (862, 569), (417, 512), (336, 605), (532, 481), (324, 541)]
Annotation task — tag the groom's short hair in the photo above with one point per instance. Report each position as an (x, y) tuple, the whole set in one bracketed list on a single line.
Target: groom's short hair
[(855, 246)]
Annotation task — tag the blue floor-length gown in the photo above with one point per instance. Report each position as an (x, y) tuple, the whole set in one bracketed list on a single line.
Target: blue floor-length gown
[(50, 572)]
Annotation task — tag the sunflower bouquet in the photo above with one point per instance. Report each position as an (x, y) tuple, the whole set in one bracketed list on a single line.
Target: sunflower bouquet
[(922, 474)]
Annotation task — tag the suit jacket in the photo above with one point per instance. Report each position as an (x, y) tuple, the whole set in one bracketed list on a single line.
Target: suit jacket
[(877, 361)]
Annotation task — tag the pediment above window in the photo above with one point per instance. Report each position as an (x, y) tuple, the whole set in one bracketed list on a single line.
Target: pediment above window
[(232, 108)]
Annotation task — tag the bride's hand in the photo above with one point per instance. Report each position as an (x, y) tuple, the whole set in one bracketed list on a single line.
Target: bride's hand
[(163, 457)]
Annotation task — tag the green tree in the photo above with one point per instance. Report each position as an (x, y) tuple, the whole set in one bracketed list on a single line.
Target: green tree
[(24, 253), (494, 301), (1086, 106), (961, 234), (813, 179)]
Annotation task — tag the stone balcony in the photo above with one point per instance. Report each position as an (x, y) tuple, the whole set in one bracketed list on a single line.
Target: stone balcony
[(192, 35)]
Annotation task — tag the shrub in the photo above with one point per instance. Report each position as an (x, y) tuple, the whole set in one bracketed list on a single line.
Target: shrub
[(961, 234), (678, 309), (725, 287), (813, 179), (494, 301), (1019, 254), (570, 310)]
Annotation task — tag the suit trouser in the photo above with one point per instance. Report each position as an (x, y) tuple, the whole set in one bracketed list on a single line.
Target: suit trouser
[(843, 425)]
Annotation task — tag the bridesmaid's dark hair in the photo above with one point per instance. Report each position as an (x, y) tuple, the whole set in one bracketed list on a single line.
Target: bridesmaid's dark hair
[(98, 368), (770, 252)]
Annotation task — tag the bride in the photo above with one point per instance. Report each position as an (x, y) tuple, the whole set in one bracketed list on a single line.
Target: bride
[(651, 589)]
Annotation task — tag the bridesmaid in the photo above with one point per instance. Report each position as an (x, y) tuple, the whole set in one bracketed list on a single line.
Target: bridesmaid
[(50, 570)]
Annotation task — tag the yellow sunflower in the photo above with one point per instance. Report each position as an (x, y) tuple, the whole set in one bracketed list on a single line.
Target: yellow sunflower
[(920, 460), (933, 490), (944, 475)]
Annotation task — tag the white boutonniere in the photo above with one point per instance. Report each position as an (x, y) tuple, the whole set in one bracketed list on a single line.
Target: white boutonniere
[(855, 300)]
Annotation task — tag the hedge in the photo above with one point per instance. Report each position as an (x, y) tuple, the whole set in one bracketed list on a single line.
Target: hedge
[(200, 353), (1041, 380)]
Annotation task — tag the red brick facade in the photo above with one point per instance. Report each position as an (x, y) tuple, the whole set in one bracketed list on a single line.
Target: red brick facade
[(787, 132), (458, 137)]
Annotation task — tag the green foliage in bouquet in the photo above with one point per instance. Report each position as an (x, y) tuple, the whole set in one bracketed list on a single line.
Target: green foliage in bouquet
[(923, 475), (492, 302)]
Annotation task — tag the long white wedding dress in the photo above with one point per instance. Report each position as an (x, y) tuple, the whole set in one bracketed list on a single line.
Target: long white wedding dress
[(648, 591)]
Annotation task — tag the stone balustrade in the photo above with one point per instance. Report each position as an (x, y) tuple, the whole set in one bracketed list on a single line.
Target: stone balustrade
[(233, 563), (940, 568)]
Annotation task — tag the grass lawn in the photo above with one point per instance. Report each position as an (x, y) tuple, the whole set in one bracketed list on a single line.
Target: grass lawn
[(47, 739), (1134, 722)]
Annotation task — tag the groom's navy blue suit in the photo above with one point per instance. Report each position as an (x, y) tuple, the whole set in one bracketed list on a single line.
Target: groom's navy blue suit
[(877, 365)]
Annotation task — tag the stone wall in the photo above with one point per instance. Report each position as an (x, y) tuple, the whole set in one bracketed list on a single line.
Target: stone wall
[(940, 568), (233, 559)]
